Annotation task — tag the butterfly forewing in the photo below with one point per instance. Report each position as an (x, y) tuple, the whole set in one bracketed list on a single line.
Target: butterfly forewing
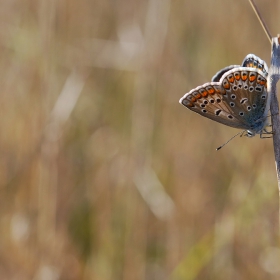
[(211, 105)]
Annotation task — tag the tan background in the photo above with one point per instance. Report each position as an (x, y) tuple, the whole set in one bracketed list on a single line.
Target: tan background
[(104, 175)]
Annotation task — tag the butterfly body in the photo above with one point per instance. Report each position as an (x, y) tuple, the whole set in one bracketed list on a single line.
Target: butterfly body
[(236, 97)]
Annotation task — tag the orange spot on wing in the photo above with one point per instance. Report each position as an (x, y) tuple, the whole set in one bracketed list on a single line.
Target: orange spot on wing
[(210, 90), (237, 76), (203, 92), (189, 105), (252, 78), (197, 95), (244, 76), (226, 85)]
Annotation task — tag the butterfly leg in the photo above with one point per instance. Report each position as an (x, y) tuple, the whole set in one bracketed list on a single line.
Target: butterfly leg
[(265, 132), (265, 137), (268, 132)]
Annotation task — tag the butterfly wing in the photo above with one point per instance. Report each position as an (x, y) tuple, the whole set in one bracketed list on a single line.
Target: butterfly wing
[(238, 100), (253, 61), (219, 74), (247, 96), (250, 60), (208, 101)]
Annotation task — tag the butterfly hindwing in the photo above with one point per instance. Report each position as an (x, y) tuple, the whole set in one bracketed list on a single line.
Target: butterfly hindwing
[(253, 61), (246, 94)]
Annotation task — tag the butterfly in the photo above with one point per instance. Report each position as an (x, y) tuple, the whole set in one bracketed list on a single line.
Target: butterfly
[(237, 97)]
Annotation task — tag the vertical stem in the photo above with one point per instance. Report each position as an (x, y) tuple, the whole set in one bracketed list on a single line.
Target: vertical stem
[(274, 75), (263, 24)]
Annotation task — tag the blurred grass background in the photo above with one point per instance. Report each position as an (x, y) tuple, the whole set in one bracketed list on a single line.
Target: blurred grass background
[(104, 175)]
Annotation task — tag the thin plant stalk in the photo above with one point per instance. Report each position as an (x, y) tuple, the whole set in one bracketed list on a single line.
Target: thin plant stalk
[(261, 20), (273, 77)]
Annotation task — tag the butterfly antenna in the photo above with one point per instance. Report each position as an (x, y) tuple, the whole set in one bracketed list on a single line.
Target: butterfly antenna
[(242, 132)]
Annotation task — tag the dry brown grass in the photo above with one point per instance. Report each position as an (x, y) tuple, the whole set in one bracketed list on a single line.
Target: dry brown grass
[(104, 175)]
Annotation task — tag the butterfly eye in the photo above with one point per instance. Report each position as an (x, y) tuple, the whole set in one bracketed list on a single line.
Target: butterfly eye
[(212, 101), (218, 100), (234, 88), (241, 114), (251, 88), (263, 97), (243, 100), (205, 102), (245, 87), (204, 111), (233, 96), (232, 104), (249, 108), (230, 116), (254, 106), (259, 89)]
